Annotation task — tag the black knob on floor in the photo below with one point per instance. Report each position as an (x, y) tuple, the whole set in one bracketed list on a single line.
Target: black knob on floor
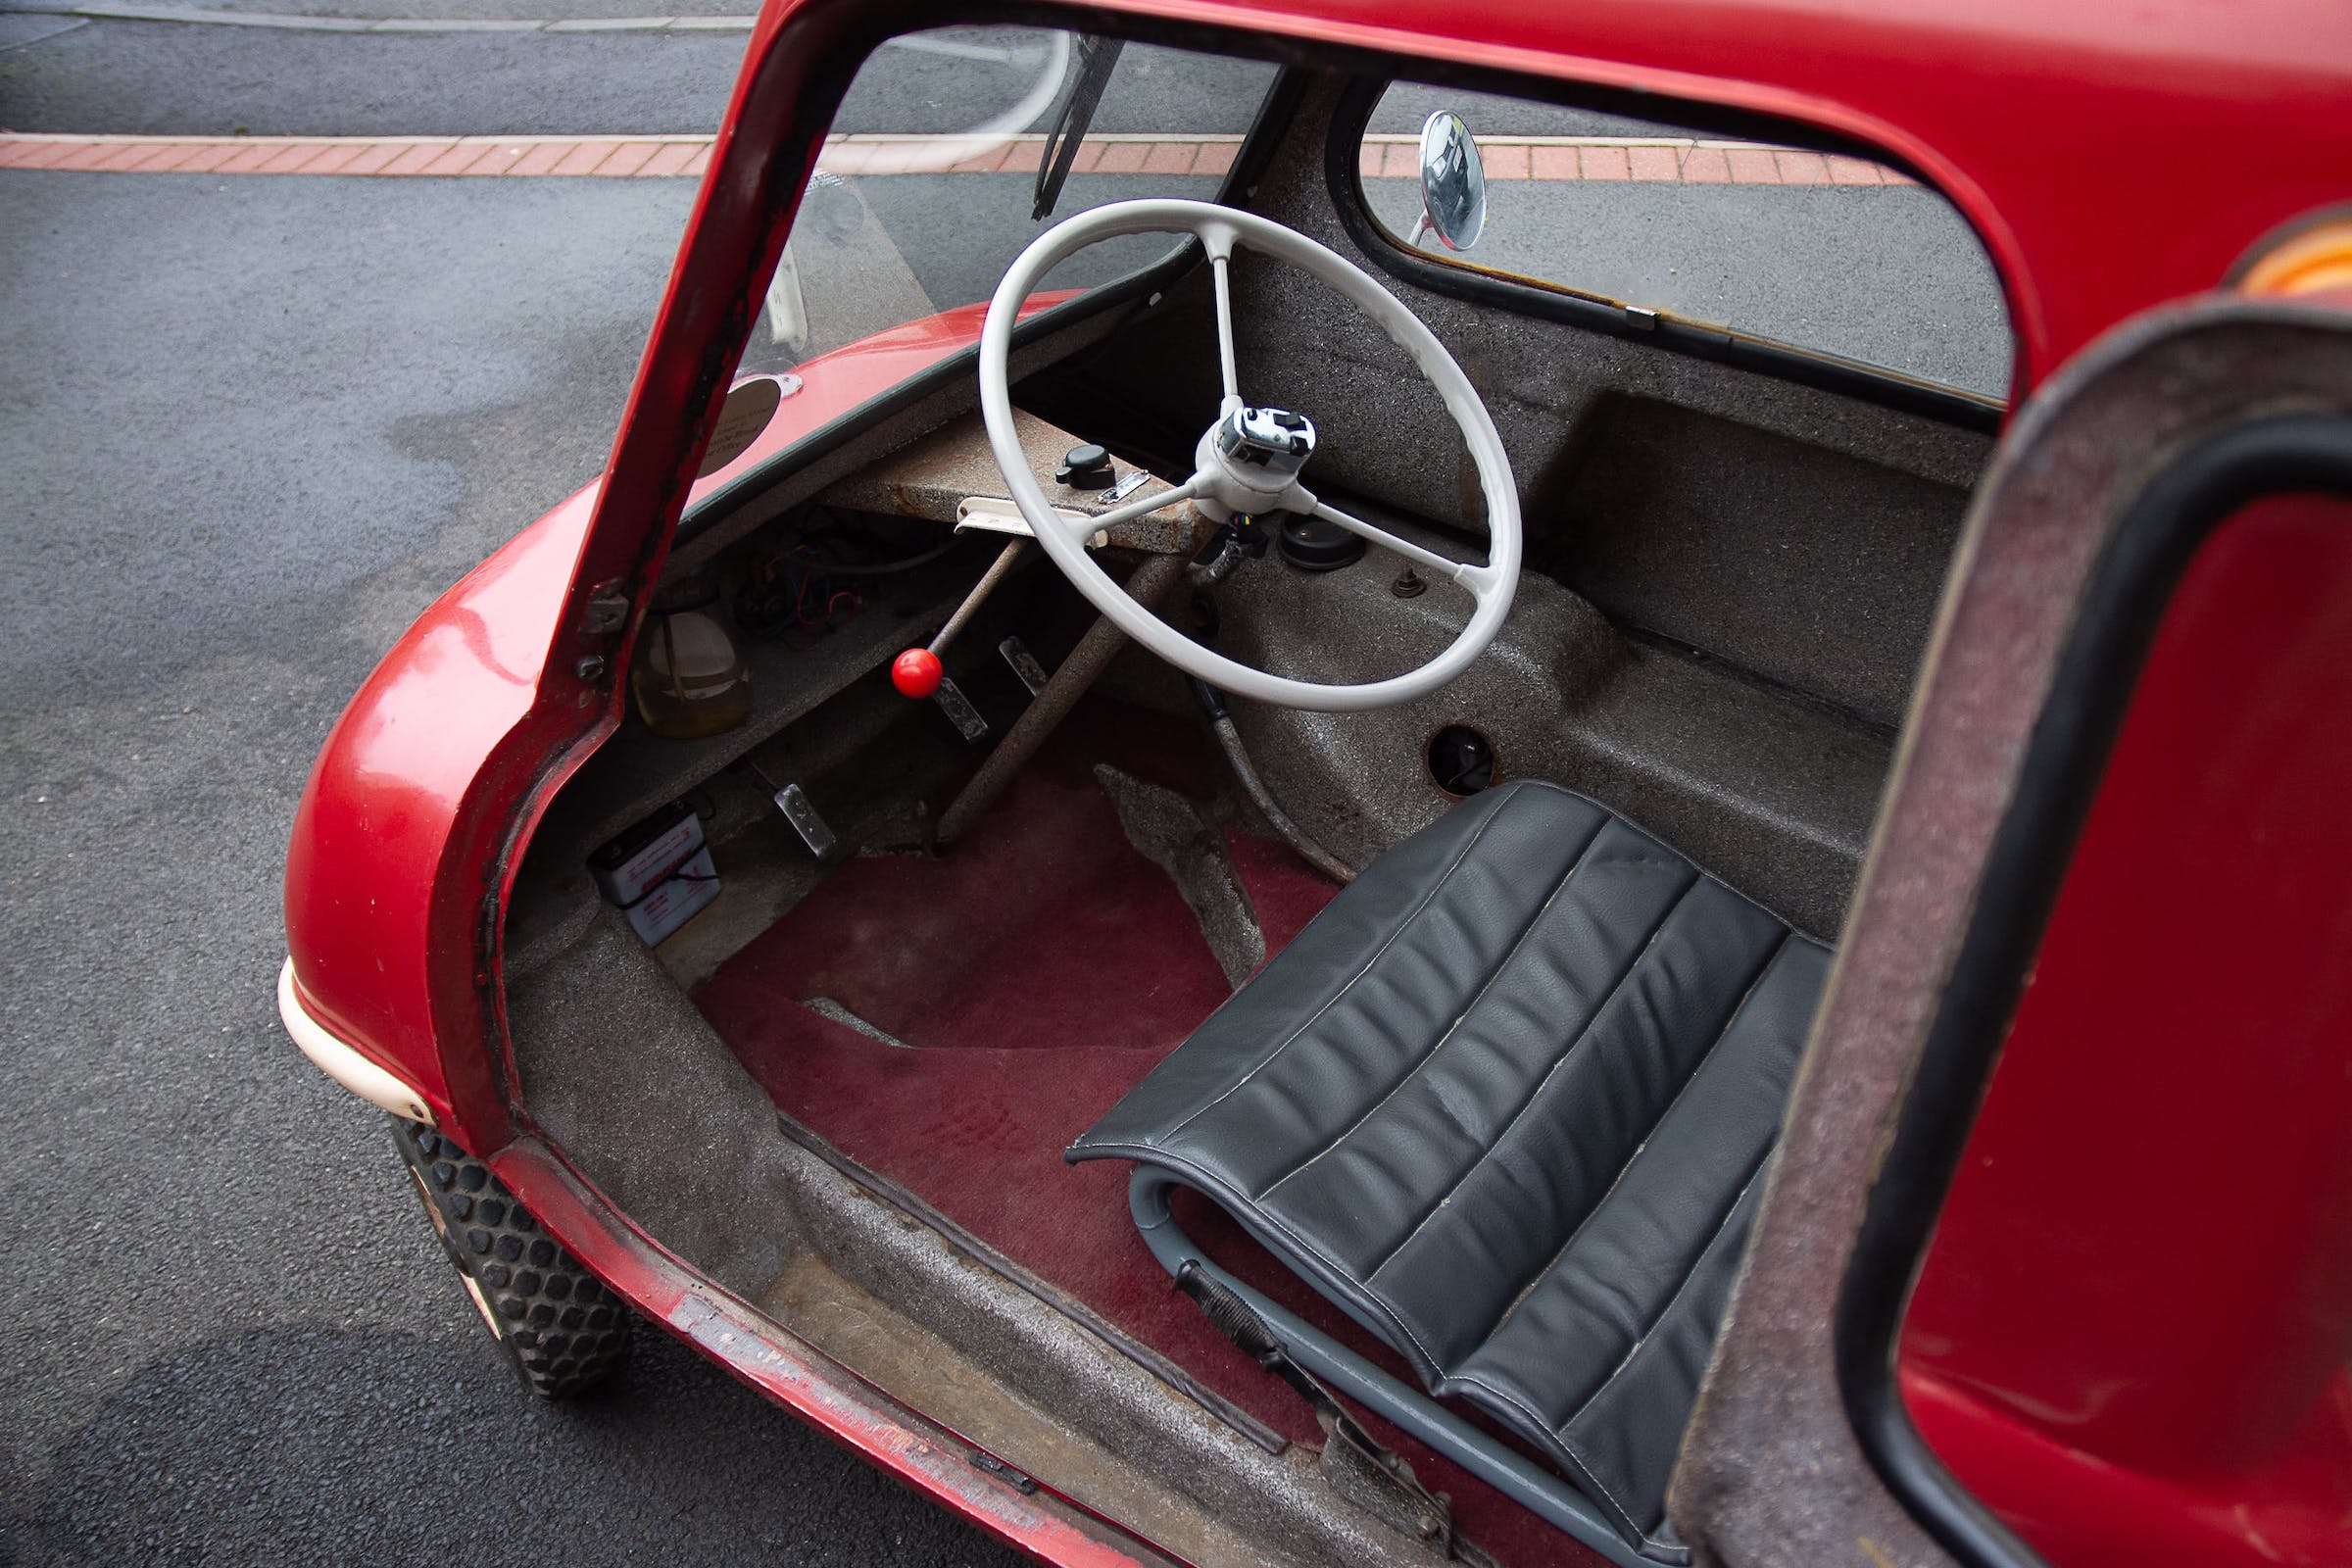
[(1311, 544)]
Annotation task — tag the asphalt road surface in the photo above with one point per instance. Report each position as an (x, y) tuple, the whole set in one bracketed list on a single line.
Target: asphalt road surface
[(249, 428), (252, 426)]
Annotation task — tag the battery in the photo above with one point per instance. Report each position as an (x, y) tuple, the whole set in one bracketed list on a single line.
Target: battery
[(660, 872), (677, 899)]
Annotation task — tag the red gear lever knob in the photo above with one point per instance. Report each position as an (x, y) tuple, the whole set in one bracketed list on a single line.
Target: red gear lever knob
[(916, 673)]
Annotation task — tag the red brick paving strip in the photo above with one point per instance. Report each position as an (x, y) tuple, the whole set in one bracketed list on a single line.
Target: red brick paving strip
[(1802, 169), (413, 161), (1662, 160), (498, 160), (541, 159), (584, 157), (628, 158), (372, 161), (1707, 166), (208, 159), (1507, 161), (1655, 164), (987, 161), (670, 159), (1170, 158), (1605, 163), (1844, 171), (455, 160), (335, 161)]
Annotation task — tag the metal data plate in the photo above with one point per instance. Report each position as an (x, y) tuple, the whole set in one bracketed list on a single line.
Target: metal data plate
[(1162, 532), (989, 514), (802, 813), (958, 709), (1025, 663)]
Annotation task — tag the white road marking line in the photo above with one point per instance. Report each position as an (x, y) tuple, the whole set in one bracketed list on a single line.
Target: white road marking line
[(924, 44), (198, 15)]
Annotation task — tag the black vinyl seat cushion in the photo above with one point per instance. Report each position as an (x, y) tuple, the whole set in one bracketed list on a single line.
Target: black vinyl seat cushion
[(1505, 1103)]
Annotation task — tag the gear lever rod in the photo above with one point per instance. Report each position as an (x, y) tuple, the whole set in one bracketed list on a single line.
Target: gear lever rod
[(917, 671), (1068, 682)]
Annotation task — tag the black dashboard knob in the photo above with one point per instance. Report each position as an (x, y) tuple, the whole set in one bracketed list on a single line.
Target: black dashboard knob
[(1086, 467)]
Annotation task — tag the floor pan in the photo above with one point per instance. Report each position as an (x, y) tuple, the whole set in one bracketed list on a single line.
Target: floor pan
[(951, 1024)]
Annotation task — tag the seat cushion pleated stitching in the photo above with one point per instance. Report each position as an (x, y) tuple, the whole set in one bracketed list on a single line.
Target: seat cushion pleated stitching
[(1534, 1424), (1696, 1068), (1258, 1221), (1514, 1412), (1647, 1381), (1487, 985), (1333, 999), (1715, 1235), (1589, 1474), (1632, 967)]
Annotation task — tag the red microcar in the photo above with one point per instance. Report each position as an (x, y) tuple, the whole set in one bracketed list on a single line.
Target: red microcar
[(1365, 783)]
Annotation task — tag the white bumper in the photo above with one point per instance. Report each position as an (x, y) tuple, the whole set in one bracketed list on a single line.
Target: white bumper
[(340, 1062)]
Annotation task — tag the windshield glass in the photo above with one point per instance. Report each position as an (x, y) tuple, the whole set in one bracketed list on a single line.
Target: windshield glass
[(927, 186)]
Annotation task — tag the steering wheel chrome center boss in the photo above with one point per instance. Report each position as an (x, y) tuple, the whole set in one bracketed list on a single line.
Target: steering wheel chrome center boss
[(1250, 460), (1257, 451)]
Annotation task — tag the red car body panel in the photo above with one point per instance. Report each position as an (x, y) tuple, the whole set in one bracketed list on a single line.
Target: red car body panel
[(2135, 1324), (380, 816), (2111, 156), (384, 955)]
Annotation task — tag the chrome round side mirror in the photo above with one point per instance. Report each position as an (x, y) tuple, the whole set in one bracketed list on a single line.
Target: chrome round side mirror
[(1453, 183)]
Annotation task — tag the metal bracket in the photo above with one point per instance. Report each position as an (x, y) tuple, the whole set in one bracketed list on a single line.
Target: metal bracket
[(606, 610), (1020, 1481), (1025, 663)]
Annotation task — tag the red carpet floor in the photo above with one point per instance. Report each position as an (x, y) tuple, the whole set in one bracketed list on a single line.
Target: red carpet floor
[(1039, 971)]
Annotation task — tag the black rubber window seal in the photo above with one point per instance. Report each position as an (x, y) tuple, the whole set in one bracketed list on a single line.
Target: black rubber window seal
[(2130, 588)]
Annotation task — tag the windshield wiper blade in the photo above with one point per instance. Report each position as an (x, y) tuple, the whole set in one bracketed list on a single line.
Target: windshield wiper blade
[(1071, 118)]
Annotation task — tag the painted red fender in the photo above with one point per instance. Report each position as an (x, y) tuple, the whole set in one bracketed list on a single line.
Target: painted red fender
[(397, 841)]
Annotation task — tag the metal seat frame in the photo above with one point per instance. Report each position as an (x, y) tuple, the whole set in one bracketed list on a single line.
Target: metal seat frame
[(1410, 1408)]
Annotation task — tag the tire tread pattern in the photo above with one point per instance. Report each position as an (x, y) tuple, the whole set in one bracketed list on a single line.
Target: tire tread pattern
[(559, 1326)]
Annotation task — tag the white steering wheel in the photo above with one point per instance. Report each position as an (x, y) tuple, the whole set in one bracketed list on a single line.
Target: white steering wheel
[(1248, 462)]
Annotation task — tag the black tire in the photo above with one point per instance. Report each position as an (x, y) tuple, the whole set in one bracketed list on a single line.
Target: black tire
[(562, 1332)]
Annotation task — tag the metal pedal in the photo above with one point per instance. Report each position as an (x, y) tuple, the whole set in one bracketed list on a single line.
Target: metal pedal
[(959, 709), (1025, 663), (802, 813)]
